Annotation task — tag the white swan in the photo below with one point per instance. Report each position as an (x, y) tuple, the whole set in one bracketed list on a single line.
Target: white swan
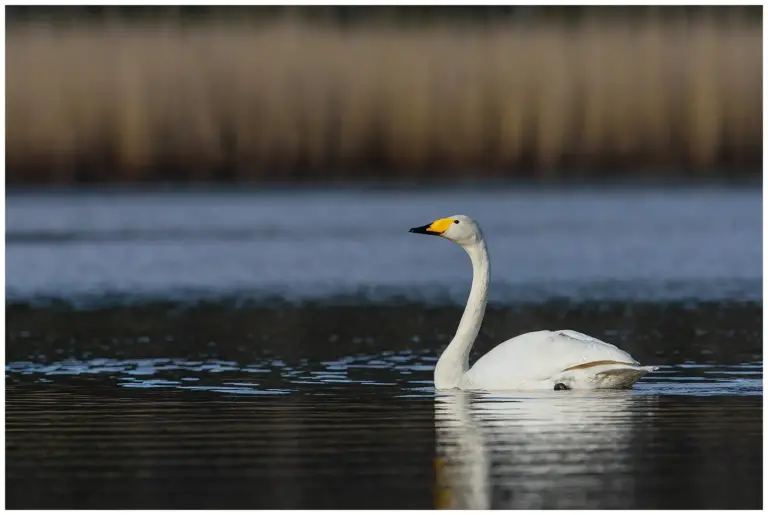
[(559, 360)]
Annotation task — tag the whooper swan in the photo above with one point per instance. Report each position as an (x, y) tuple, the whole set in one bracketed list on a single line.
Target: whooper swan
[(553, 360)]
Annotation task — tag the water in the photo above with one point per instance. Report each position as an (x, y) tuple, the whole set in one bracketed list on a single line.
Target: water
[(618, 243), (275, 350)]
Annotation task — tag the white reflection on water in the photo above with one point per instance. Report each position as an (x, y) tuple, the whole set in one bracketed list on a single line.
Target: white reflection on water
[(538, 450)]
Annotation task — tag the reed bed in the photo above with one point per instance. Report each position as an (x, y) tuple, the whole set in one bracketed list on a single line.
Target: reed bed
[(118, 102)]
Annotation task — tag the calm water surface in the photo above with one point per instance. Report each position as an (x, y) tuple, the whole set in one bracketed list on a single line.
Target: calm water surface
[(275, 350), (609, 243)]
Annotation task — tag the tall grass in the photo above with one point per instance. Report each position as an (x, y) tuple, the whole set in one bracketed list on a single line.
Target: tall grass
[(230, 101)]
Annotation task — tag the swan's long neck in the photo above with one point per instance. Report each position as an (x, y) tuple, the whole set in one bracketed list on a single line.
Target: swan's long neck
[(455, 360)]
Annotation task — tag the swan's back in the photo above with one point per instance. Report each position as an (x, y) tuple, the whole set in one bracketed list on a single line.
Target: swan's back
[(540, 357)]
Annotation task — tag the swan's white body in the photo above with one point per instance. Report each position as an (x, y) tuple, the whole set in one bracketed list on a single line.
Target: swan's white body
[(538, 360)]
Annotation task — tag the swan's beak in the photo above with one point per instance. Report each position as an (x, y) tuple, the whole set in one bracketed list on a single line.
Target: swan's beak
[(436, 228), (425, 229)]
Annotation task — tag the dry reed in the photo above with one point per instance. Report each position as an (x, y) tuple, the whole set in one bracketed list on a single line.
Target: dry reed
[(120, 103)]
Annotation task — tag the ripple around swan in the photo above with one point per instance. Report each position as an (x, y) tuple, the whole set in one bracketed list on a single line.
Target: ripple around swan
[(223, 435), (408, 372)]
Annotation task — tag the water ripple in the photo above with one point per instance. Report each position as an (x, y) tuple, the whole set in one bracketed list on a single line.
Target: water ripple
[(407, 371)]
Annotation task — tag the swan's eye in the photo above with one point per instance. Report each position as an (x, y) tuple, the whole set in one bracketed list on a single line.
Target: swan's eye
[(455, 221)]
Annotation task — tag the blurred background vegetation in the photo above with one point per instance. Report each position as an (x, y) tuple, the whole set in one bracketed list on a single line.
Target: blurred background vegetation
[(168, 93)]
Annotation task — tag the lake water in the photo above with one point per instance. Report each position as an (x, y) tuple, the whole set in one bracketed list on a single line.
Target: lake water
[(274, 349)]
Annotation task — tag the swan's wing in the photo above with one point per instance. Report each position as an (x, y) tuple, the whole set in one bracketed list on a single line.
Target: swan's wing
[(575, 335), (541, 355)]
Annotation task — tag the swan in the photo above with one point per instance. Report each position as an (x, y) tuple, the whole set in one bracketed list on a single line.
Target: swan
[(552, 360)]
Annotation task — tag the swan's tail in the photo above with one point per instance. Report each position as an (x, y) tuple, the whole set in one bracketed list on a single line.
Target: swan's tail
[(621, 377), (600, 375)]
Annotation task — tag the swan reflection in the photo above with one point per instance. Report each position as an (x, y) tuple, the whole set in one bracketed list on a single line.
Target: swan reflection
[(538, 449)]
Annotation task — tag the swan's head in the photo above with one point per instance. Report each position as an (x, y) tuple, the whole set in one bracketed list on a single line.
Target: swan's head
[(458, 228)]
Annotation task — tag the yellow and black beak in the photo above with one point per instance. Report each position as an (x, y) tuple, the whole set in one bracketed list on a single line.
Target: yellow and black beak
[(425, 229), (436, 228)]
